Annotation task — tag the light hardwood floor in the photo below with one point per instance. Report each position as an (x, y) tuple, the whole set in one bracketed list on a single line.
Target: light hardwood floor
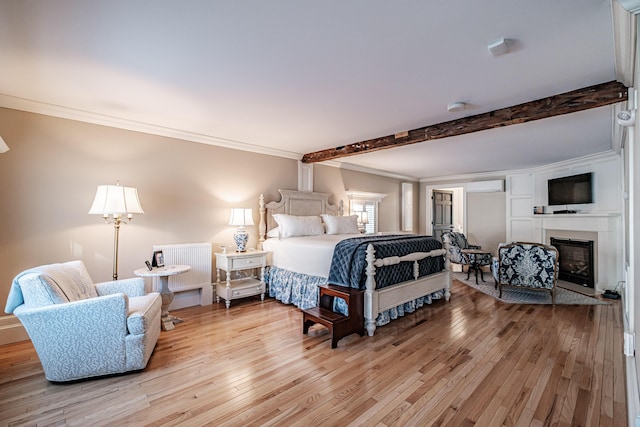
[(470, 361)]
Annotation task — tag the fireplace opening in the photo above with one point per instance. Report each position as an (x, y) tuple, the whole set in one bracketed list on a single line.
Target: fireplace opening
[(576, 261)]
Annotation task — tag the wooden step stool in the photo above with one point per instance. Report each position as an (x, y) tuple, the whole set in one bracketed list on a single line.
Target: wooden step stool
[(338, 324)]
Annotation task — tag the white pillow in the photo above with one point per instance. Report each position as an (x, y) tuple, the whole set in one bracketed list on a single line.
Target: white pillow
[(341, 224), (292, 225), (273, 233)]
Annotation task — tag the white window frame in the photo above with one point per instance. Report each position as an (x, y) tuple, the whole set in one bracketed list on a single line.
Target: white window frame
[(367, 199), (407, 206)]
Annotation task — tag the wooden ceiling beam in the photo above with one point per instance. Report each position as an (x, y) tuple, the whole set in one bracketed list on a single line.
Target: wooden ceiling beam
[(565, 103)]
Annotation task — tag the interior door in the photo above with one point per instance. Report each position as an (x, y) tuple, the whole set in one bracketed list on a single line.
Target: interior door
[(442, 219)]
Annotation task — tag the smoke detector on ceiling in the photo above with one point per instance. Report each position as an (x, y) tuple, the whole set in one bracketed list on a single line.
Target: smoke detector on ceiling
[(498, 47), (456, 106)]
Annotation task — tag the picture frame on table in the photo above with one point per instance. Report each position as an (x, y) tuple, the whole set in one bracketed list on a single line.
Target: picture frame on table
[(158, 259)]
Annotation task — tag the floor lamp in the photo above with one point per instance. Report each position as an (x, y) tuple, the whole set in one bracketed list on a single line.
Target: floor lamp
[(117, 205)]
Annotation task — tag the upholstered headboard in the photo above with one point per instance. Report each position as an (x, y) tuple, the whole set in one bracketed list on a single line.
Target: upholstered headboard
[(301, 203)]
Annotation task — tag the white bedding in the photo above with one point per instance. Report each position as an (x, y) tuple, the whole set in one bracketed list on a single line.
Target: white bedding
[(308, 255)]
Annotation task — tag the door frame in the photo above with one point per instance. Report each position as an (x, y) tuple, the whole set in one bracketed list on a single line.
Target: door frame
[(451, 194), (459, 206)]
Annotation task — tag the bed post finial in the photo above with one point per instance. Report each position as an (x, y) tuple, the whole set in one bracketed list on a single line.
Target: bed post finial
[(341, 208), (262, 226)]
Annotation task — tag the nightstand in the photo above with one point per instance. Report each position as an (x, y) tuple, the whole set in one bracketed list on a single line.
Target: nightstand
[(244, 287)]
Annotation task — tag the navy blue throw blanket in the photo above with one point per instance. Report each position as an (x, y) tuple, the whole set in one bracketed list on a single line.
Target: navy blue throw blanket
[(349, 262)]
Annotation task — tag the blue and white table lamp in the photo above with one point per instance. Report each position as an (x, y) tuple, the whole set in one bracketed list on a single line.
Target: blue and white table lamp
[(241, 217)]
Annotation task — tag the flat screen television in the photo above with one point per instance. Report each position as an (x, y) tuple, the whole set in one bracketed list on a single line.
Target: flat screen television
[(571, 190)]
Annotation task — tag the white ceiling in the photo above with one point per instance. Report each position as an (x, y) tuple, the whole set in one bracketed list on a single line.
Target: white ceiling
[(293, 77)]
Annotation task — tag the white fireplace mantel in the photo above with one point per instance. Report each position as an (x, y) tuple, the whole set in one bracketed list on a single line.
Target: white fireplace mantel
[(606, 227)]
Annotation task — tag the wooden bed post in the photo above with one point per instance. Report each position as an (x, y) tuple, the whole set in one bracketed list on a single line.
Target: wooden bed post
[(447, 267), (370, 297), (262, 225)]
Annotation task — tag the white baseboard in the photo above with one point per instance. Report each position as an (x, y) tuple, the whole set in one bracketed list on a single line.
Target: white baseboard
[(633, 393), (633, 397), (11, 330)]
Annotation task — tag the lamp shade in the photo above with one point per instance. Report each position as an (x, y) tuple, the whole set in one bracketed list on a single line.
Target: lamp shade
[(3, 146), (364, 217), (241, 217), (116, 200)]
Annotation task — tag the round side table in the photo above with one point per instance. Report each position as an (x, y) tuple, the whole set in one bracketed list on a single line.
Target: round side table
[(167, 295), (477, 259)]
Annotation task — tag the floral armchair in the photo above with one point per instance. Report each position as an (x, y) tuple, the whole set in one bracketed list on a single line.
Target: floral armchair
[(80, 329), (455, 242), (528, 265)]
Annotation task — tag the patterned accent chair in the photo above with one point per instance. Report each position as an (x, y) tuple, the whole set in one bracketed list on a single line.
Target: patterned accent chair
[(527, 265), (80, 329), (454, 242)]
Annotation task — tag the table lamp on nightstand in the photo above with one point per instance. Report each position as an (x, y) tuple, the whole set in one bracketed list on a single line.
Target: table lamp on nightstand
[(241, 217), (363, 220)]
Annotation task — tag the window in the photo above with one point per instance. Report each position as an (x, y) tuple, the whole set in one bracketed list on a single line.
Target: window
[(407, 206), (365, 205), (366, 212)]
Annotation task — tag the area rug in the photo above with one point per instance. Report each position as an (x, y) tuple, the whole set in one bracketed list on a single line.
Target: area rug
[(526, 296)]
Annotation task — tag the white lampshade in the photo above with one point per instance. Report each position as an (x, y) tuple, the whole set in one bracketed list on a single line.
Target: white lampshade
[(241, 217), (3, 146), (116, 200), (364, 217)]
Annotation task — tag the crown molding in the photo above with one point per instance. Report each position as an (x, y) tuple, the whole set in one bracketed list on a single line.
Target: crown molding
[(54, 110), (632, 6), (22, 104), (363, 169), (365, 195), (597, 157), (63, 112)]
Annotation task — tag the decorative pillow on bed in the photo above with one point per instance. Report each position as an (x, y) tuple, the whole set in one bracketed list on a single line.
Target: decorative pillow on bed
[(341, 224), (273, 233), (292, 225)]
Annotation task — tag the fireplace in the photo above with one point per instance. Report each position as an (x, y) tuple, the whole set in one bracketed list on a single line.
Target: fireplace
[(576, 261), (602, 228)]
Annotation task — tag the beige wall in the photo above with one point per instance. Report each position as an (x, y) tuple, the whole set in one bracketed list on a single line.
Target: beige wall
[(486, 220), (327, 178), (48, 180)]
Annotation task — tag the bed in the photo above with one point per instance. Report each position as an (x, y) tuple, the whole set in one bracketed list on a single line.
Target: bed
[(301, 260)]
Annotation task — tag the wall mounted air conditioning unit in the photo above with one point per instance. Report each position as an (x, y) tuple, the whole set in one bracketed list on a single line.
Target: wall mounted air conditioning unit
[(495, 186)]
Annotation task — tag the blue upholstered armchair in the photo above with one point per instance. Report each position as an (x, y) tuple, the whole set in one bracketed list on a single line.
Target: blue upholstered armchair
[(455, 243), (80, 329), (527, 265)]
